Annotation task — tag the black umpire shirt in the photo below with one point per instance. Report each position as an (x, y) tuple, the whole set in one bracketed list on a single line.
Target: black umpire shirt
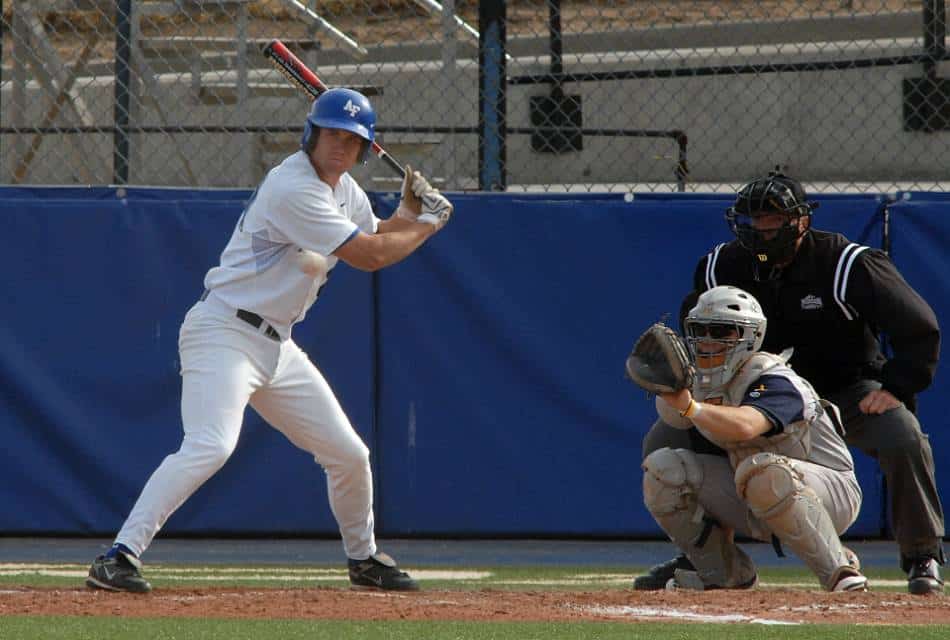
[(830, 304)]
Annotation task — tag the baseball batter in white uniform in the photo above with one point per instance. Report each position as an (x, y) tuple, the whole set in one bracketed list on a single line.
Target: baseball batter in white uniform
[(236, 342), (788, 475)]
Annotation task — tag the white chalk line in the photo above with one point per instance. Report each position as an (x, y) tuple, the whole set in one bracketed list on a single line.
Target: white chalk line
[(223, 574), (677, 614), (302, 574)]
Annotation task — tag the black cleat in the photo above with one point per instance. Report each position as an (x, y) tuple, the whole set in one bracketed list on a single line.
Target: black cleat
[(657, 577), (119, 573), (687, 579), (379, 572), (924, 577)]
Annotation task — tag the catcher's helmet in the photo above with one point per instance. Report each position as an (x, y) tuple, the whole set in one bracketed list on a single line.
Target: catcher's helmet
[(342, 109), (732, 318), (776, 193)]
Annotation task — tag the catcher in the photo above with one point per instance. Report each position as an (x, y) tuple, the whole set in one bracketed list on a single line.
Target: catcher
[(788, 476)]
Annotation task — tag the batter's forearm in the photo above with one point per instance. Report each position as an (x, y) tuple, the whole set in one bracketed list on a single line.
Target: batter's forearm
[(394, 223), (377, 251), (400, 244)]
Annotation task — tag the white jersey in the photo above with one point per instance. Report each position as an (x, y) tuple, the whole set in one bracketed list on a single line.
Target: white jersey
[(269, 266)]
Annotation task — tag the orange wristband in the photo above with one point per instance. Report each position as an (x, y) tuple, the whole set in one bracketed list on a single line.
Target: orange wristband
[(692, 410)]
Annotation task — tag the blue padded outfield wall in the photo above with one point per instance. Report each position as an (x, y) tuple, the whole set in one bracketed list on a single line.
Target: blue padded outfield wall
[(485, 372)]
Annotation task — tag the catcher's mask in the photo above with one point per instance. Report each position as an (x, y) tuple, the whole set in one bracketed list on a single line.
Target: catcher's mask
[(730, 318), (774, 194)]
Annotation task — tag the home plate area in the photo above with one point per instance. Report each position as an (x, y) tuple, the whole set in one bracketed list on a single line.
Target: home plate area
[(759, 606)]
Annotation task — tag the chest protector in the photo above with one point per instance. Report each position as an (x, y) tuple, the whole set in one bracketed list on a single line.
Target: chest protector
[(793, 441)]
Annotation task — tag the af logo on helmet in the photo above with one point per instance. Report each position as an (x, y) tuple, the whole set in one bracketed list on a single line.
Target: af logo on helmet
[(351, 108)]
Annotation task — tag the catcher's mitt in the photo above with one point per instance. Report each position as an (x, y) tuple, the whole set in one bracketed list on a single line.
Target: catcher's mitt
[(659, 362)]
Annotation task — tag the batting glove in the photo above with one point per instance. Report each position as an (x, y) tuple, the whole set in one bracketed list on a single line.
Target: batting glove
[(414, 187), (436, 209)]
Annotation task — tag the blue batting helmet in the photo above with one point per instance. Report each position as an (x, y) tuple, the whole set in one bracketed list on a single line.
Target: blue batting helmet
[(342, 109)]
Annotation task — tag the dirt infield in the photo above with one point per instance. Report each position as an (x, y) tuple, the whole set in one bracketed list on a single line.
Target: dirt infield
[(792, 606)]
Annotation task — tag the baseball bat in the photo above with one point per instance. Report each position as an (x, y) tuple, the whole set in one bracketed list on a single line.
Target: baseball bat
[(298, 73)]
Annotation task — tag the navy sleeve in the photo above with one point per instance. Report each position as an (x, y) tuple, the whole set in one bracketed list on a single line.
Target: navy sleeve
[(778, 399)]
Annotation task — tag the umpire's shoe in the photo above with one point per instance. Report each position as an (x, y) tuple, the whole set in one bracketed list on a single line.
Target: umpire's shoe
[(657, 577), (379, 572), (122, 572), (924, 577)]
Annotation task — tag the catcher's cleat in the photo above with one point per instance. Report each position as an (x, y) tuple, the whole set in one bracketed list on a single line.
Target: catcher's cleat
[(924, 577), (119, 573), (657, 577), (379, 572), (850, 579), (684, 579)]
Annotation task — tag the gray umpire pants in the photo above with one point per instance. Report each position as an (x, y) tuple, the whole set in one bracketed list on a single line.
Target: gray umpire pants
[(900, 447)]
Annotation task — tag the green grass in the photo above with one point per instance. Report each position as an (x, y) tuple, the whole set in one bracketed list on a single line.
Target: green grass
[(61, 628)]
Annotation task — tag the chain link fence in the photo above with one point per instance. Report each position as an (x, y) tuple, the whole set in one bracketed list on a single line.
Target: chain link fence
[(522, 95)]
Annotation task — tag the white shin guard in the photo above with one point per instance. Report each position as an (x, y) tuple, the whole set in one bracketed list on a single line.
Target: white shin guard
[(777, 495), (671, 481)]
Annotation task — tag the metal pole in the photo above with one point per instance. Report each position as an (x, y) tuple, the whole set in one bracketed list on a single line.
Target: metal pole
[(241, 53), (2, 31), (556, 44), (120, 139), (248, 146), (18, 103), (886, 229), (447, 150), (682, 167), (935, 34), (492, 84)]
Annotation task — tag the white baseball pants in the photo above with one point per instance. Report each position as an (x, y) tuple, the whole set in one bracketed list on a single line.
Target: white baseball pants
[(226, 364)]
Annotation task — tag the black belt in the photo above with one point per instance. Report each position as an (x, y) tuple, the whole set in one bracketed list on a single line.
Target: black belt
[(252, 319), (256, 321)]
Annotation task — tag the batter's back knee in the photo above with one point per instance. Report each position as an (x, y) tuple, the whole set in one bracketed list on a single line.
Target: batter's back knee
[(358, 454), (351, 455), (669, 477)]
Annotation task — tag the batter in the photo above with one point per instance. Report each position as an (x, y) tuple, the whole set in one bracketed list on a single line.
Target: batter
[(236, 346)]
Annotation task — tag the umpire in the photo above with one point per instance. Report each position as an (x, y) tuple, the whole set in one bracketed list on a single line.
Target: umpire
[(828, 298)]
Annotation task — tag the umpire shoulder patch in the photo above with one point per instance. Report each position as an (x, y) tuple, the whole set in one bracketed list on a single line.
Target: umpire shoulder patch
[(812, 302)]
